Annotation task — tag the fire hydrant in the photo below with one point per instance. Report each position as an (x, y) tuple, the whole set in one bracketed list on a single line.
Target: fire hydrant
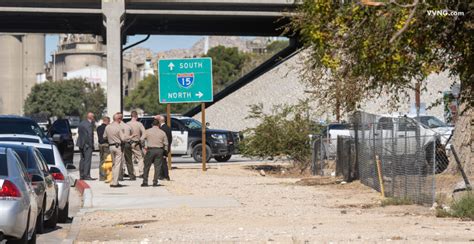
[(107, 168)]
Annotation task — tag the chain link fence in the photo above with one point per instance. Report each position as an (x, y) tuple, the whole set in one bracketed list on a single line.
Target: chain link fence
[(394, 155)]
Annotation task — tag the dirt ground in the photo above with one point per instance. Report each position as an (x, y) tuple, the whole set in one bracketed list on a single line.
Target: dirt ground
[(272, 209)]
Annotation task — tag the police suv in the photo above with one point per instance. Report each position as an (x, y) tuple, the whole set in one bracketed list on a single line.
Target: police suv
[(187, 139)]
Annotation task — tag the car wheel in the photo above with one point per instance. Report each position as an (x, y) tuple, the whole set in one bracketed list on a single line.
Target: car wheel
[(64, 213), (24, 237), (53, 220), (224, 158), (197, 153), (40, 221)]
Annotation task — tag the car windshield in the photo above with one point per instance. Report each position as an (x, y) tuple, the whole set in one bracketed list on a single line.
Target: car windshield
[(192, 124), (432, 122), (3, 164), (48, 155), (21, 127), (338, 126)]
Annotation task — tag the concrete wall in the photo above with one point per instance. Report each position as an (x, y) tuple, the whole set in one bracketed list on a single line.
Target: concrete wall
[(21, 59), (436, 85)]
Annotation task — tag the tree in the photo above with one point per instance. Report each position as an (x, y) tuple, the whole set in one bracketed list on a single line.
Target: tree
[(361, 49), (227, 65), (65, 98)]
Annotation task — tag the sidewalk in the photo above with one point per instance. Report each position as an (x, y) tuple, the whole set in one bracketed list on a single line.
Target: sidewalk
[(133, 196)]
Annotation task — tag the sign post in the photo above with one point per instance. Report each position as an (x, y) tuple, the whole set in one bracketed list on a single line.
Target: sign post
[(187, 80), (168, 122), (204, 147)]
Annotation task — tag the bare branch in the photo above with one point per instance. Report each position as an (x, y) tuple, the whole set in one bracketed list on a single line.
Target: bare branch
[(405, 5), (403, 29)]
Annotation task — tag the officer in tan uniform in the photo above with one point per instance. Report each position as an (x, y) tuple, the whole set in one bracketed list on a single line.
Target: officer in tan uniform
[(157, 144), (128, 164), (133, 152), (115, 136)]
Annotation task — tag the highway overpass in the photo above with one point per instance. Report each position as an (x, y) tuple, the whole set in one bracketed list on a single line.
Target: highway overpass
[(116, 19)]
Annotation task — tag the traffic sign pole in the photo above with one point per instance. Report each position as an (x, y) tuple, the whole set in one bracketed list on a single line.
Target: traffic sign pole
[(168, 122), (204, 148)]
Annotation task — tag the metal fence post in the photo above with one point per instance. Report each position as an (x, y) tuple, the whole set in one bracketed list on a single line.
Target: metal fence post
[(321, 165), (434, 172)]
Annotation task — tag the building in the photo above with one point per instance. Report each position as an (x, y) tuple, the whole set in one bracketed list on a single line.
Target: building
[(84, 56), (21, 67)]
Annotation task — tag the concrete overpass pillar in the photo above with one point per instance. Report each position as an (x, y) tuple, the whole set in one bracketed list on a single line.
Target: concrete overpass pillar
[(114, 14)]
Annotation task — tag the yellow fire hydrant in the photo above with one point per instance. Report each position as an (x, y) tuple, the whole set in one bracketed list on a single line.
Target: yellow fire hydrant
[(107, 167)]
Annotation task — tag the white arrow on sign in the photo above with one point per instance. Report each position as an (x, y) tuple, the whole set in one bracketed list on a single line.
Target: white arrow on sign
[(199, 94), (171, 66)]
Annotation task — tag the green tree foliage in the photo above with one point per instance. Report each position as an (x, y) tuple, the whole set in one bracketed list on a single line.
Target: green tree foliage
[(281, 133), (364, 48), (227, 64), (145, 97), (65, 98), (276, 46)]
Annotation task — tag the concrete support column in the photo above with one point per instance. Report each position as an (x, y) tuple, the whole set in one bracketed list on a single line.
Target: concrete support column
[(114, 12)]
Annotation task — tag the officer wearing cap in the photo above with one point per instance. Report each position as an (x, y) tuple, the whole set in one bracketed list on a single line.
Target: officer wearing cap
[(157, 144), (115, 136), (133, 151)]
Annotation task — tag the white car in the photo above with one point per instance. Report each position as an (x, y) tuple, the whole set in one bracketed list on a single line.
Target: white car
[(437, 126), (60, 174), (400, 134), (18, 200)]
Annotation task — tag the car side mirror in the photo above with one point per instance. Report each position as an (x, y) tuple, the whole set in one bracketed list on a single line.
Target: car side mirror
[(36, 178), (70, 166), (57, 138)]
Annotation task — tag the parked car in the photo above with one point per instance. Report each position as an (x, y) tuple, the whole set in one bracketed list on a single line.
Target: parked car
[(330, 134), (59, 172), (187, 138), (59, 133), (404, 130), (436, 125), (18, 201), (43, 183)]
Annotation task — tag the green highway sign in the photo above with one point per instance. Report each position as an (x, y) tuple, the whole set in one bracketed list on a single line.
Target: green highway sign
[(187, 80)]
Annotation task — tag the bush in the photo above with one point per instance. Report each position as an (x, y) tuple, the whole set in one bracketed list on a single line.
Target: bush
[(396, 201), (464, 207), (282, 133)]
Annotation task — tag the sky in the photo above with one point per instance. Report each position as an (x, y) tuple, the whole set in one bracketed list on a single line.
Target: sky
[(155, 43)]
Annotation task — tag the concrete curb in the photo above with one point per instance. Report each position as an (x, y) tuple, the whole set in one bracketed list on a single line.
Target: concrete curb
[(86, 193), (75, 228)]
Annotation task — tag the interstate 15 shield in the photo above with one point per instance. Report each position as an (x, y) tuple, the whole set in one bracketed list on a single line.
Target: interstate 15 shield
[(187, 80)]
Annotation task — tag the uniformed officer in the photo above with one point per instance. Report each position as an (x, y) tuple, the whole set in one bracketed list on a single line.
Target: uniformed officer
[(115, 136), (127, 131), (103, 145), (133, 152), (157, 143)]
